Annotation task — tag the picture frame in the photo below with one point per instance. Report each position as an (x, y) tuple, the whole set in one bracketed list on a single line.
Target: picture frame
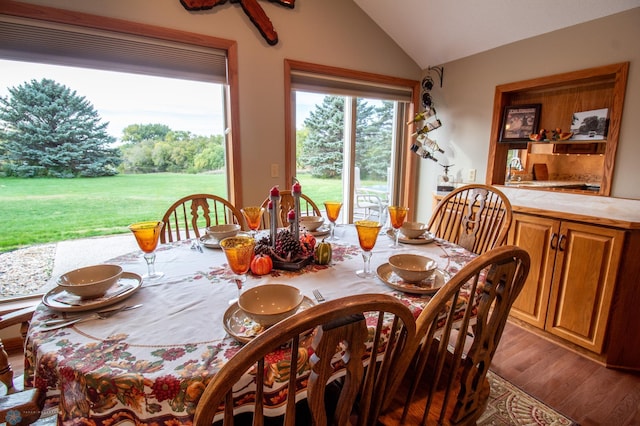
[(590, 125), (519, 121)]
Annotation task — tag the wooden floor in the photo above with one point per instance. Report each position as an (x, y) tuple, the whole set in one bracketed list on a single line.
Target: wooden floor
[(575, 386), (590, 394)]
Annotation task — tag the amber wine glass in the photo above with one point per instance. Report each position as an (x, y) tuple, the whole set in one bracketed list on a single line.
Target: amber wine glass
[(367, 235), (333, 211), (253, 215), (147, 235), (397, 215), (239, 251)]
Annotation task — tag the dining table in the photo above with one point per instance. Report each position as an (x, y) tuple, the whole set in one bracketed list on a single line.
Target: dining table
[(150, 364)]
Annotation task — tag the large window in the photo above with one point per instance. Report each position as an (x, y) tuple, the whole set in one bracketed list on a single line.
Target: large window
[(350, 131), (53, 36)]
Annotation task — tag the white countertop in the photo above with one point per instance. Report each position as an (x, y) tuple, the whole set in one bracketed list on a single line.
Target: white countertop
[(622, 209)]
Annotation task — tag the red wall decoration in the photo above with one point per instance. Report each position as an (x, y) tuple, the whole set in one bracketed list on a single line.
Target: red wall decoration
[(254, 11)]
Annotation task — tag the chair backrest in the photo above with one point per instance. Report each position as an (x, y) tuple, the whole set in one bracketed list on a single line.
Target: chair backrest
[(476, 217), (367, 329), (28, 403), (188, 216), (447, 384), (307, 208)]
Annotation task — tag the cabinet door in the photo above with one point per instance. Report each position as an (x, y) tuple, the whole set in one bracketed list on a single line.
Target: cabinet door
[(583, 282), (534, 234)]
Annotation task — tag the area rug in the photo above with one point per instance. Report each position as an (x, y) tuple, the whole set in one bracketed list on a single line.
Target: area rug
[(510, 405)]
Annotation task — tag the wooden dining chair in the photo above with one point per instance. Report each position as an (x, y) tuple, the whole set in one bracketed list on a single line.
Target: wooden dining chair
[(476, 217), (19, 406), (447, 383), (343, 328), (187, 217), (286, 203)]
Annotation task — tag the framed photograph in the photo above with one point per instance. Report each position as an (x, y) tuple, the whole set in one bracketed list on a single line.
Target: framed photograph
[(590, 125), (518, 122)]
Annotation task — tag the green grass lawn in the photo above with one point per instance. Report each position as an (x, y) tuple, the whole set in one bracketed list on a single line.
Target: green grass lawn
[(36, 211)]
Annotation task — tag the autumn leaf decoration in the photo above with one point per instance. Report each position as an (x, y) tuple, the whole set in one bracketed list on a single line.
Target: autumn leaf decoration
[(253, 10)]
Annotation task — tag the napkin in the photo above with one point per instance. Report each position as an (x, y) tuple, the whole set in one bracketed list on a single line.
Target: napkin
[(73, 300)]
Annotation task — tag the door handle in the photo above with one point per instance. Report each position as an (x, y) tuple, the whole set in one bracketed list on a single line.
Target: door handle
[(553, 238), (560, 241)]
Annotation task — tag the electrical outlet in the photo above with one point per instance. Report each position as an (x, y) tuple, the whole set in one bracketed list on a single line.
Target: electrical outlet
[(472, 175), (275, 170)]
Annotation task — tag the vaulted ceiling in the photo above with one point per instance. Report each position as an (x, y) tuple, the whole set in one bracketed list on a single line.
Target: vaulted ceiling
[(433, 32)]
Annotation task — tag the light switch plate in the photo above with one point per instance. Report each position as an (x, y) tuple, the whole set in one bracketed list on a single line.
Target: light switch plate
[(275, 170), (472, 175)]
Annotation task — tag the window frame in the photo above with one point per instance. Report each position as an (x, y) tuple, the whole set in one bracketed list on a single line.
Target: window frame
[(404, 193)]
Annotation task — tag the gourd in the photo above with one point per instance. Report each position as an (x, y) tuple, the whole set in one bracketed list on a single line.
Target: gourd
[(323, 252), (261, 264)]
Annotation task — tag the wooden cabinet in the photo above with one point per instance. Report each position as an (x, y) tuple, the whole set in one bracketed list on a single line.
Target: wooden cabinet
[(579, 148), (570, 289)]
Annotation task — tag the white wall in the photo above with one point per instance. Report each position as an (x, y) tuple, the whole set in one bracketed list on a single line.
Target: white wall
[(329, 32), (465, 102)]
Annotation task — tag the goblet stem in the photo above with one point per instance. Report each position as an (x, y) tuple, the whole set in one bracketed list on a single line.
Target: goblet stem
[(396, 234), (239, 280), (150, 258), (332, 237), (366, 271)]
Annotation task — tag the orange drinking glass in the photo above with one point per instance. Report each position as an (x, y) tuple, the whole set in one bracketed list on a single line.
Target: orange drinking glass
[(239, 251), (147, 235), (253, 215), (397, 215), (333, 211), (368, 231)]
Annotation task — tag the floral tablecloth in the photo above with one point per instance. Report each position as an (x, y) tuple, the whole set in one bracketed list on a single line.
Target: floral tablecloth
[(150, 365)]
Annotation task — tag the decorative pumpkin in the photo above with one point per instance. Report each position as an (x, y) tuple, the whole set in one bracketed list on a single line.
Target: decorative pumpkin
[(323, 252), (307, 243), (261, 264)]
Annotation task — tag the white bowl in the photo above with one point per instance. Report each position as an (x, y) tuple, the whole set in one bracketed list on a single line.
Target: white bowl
[(220, 232), (412, 268), (270, 303), (311, 222), (91, 281), (413, 230)]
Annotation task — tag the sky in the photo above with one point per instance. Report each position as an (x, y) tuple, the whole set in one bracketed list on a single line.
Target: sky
[(124, 99)]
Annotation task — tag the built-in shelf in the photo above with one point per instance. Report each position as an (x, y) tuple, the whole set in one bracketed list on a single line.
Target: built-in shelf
[(560, 97)]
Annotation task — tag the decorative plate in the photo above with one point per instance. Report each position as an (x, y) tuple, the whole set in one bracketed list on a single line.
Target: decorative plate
[(210, 242), (59, 299), (242, 328), (428, 286), (425, 238), (322, 230)]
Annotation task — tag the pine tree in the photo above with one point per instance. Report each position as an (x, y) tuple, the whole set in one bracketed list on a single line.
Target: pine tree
[(325, 140), (322, 147), (49, 130)]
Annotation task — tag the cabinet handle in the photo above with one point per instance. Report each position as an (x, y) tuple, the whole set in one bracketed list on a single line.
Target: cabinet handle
[(553, 238), (560, 241)]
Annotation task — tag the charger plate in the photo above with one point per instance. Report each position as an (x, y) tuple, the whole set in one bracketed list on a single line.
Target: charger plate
[(428, 286), (242, 328), (322, 230), (59, 299), (426, 238), (210, 242)]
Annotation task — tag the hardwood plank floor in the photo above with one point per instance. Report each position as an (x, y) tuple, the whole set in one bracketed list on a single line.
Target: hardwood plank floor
[(589, 393), (580, 388)]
